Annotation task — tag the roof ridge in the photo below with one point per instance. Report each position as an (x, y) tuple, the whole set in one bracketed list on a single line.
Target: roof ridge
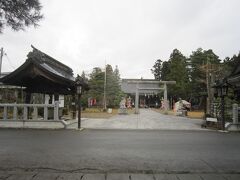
[(51, 61)]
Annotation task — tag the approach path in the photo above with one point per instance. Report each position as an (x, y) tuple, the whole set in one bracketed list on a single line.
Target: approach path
[(147, 119)]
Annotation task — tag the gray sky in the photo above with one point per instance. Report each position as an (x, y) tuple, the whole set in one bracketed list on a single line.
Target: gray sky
[(132, 34)]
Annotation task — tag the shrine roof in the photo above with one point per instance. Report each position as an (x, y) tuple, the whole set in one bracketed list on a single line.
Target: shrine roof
[(50, 64), (43, 74)]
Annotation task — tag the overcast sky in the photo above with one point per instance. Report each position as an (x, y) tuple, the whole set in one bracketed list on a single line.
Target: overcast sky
[(132, 34)]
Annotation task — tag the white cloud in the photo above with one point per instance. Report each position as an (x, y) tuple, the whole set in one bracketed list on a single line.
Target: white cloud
[(128, 33)]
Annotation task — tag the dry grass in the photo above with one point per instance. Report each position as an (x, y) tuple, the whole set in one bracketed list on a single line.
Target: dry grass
[(196, 114), (164, 112), (99, 113), (190, 114)]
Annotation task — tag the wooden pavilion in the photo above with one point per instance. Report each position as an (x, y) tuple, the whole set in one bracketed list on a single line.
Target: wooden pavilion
[(40, 74), (43, 74)]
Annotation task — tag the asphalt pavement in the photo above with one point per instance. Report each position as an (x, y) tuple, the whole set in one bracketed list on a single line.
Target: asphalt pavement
[(107, 154)]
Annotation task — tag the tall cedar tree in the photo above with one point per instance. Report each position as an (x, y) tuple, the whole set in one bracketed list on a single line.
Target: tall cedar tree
[(165, 70), (201, 62), (84, 98), (19, 14), (205, 68), (190, 73), (96, 85), (178, 72), (175, 69), (160, 70), (113, 88), (157, 69), (231, 63)]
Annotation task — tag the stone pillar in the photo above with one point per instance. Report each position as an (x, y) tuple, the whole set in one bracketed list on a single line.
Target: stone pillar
[(46, 99), (56, 111), (165, 97), (235, 113)]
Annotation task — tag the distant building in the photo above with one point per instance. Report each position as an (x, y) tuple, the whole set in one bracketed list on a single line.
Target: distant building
[(147, 98)]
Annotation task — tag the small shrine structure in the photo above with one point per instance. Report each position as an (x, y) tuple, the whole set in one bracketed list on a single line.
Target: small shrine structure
[(143, 87)]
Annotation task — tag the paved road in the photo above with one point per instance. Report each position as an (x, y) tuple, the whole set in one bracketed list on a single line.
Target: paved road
[(131, 152), (112, 176), (147, 119)]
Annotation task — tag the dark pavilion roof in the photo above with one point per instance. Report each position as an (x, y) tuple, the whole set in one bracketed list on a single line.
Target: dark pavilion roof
[(42, 74), (234, 77)]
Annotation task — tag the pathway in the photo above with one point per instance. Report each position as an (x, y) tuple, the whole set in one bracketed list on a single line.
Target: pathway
[(147, 119)]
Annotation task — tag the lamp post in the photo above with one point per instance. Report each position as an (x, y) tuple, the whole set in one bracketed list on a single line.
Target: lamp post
[(78, 84), (222, 90), (204, 95)]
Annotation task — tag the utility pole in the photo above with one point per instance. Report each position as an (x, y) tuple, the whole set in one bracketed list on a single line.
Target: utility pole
[(104, 90), (210, 77), (208, 88), (1, 56), (137, 99)]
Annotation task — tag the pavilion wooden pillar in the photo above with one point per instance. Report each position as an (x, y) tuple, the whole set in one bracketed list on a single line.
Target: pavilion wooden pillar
[(27, 101), (56, 97), (28, 98)]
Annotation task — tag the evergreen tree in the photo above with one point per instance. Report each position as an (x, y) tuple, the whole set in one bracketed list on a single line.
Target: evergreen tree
[(117, 74), (157, 69), (178, 72), (84, 98), (113, 89), (84, 77), (165, 70), (96, 85), (231, 63), (197, 75), (205, 69), (19, 14), (119, 93)]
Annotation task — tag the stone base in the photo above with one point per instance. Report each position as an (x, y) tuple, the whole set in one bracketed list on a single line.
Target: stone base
[(33, 124), (233, 127), (122, 111), (181, 113)]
